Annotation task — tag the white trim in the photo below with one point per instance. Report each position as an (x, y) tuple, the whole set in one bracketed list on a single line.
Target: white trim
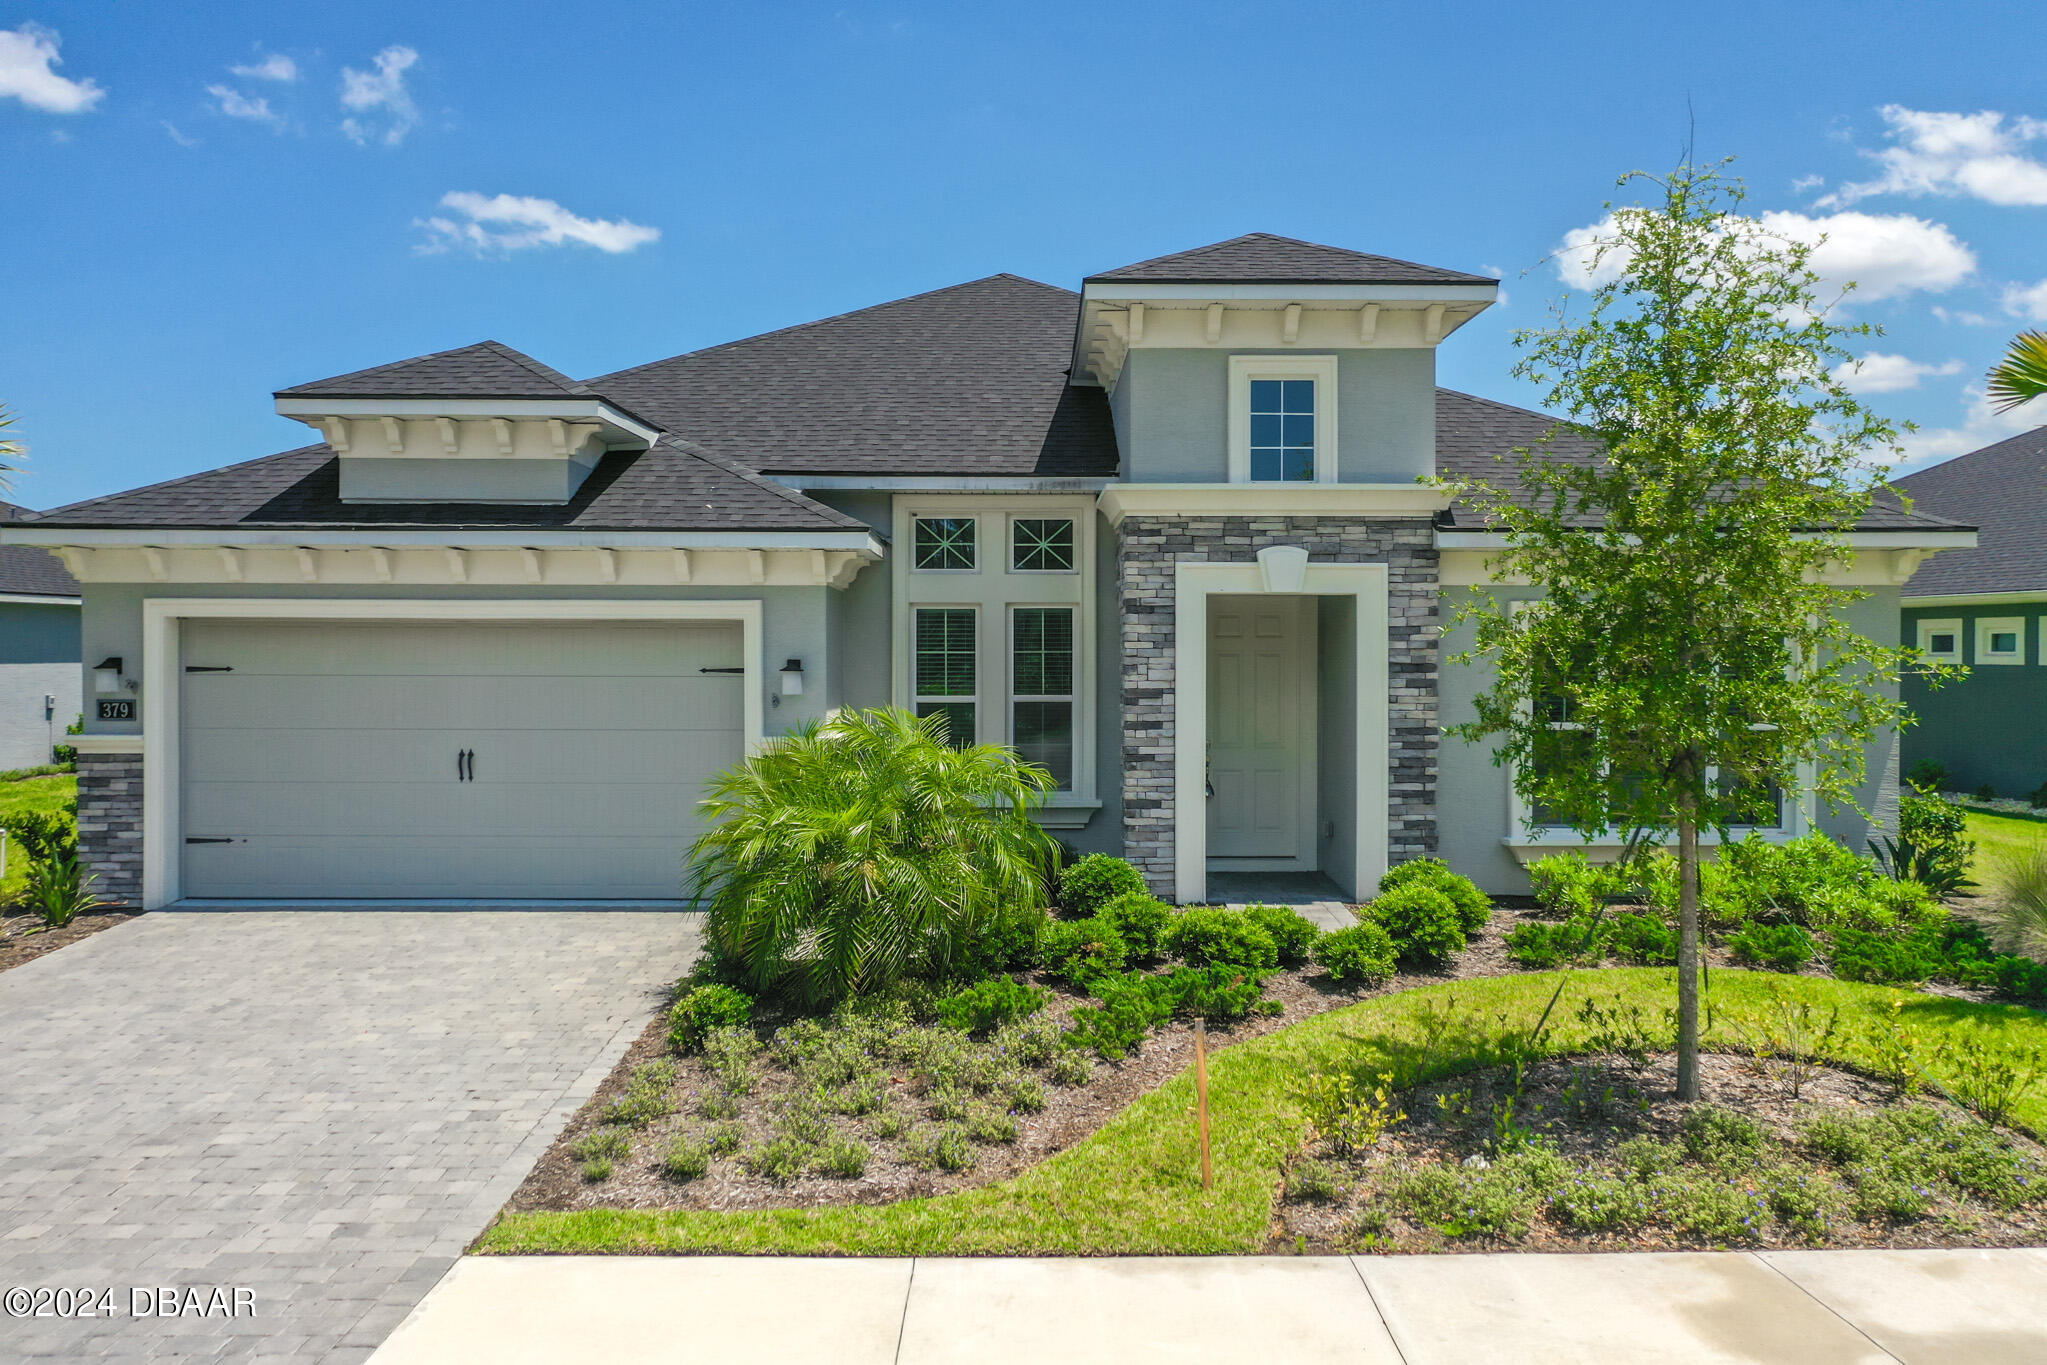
[(30, 599), (1321, 369), (1975, 599), (859, 540), (1385, 500), (1193, 585), (163, 618), (311, 410), (1349, 295), (1986, 626), (105, 744), (935, 483), (1854, 540), (1924, 628)]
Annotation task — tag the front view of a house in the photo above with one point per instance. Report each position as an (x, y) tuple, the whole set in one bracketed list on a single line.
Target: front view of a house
[(1168, 537)]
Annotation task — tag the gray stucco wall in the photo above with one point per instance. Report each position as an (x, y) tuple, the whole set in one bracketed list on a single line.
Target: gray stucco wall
[(1171, 409), (793, 624), (1336, 683), (862, 622), (375, 479), (1104, 832), (38, 633), (1990, 728), (1473, 796), (39, 657)]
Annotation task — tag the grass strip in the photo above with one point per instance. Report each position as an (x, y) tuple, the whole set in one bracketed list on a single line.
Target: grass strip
[(1134, 1187)]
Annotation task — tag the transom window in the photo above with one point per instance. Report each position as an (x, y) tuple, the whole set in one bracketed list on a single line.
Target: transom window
[(1941, 641), (946, 676), (1041, 545), (1282, 430), (1041, 689), (2001, 640), (943, 543)]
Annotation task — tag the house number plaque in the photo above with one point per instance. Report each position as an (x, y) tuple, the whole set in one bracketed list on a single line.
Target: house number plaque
[(120, 708)]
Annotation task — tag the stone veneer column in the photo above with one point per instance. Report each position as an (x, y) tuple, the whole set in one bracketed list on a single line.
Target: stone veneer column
[(110, 823), (1148, 549)]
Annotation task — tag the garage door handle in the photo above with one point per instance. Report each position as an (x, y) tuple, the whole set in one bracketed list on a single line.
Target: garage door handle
[(208, 841), (208, 668), (740, 669)]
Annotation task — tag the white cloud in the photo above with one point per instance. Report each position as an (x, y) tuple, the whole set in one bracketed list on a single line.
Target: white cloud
[(1499, 297), (177, 136), (383, 107), (235, 104), (1884, 255), (1806, 183), (1963, 316), (1878, 372), (1980, 155), (275, 66), (28, 58), (496, 224), (2028, 301), (1981, 425)]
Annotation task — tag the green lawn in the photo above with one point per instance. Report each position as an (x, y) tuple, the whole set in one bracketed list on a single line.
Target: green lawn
[(1999, 835), (1133, 1187), (29, 793)]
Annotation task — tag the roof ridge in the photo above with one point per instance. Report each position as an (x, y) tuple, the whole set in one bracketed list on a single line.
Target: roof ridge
[(824, 321), (529, 363)]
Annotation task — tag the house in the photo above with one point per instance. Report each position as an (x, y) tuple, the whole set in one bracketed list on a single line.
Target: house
[(490, 634), (39, 673), (1985, 608)]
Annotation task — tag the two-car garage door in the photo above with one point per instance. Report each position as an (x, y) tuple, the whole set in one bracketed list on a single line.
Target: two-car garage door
[(430, 760)]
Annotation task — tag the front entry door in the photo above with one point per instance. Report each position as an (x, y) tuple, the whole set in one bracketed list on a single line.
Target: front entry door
[(1261, 726)]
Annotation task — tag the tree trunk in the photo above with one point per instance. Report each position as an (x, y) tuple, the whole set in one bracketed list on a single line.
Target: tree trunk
[(1687, 950)]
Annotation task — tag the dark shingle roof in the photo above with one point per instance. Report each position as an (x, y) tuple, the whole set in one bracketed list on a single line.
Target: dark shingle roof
[(1473, 434), (675, 486), (965, 380), (488, 369), (26, 571), (1261, 258), (2002, 490)]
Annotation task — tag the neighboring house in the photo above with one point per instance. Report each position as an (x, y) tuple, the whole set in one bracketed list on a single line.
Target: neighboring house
[(1986, 608), (39, 673), (492, 634)]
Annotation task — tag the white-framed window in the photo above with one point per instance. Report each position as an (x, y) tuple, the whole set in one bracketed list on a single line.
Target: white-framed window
[(1043, 650), (2000, 639), (946, 669), (1941, 641), (1282, 416), (944, 544), (1042, 545)]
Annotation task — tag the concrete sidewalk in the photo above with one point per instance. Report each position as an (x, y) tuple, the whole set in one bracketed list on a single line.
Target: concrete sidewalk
[(1812, 1308)]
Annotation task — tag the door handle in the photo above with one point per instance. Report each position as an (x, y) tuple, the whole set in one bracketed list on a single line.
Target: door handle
[(465, 765), (472, 765)]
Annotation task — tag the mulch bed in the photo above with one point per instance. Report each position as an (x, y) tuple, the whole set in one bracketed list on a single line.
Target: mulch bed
[(1643, 1106), (22, 939)]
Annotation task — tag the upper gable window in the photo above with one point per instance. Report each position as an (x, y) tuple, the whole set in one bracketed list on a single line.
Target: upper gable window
[(1041, 545), (1282, 419), (943, 543)]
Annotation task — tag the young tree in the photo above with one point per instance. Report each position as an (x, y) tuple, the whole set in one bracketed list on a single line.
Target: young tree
[(1688, 653)]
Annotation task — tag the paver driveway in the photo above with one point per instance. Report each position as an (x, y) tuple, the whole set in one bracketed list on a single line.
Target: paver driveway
[(321, 1107)]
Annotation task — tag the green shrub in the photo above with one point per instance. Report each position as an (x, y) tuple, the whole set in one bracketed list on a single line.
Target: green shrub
[(59, 890), (1712, 1209), (1774, 947), (1009, 943), (1218, 994), (1499, 1200), (1293, 933), (1885, 959), (727, 1138), (781, 1159), (1604, 1203), (1028, 1042), (990, 1126), (1566, 885), (46, 836), (1094, 881), (1026, 1095), (1072, 1068), (1131, 1008), (699, 1009), (857, 850), (1207, 935), (2020, 979), (1721, 1138), (1933, 847), (645, 1098), (1474, 907), (1361, 955), (687, 1158), (1928, 775), (603, 1144), (1423, 922), (947, 1149), (1642, 939), (981, 1008), (1539, 946), (1081, 950), (730, 1053), (843, 1158), (1314, 1181), (1141, 918)]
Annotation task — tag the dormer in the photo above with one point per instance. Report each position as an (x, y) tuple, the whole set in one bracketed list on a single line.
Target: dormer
[(479, 424), (1266, 360)]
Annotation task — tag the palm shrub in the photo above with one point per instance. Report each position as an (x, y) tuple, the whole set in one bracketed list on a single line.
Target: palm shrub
[(855, 851)]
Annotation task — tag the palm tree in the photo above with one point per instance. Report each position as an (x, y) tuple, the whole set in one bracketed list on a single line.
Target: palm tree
[(9, 449), (2022, 375)]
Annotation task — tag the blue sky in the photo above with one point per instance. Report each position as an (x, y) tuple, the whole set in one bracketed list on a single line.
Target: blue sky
[(206, 203)]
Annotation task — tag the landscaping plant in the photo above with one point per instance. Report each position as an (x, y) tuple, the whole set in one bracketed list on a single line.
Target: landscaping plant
[(856, 851), (1689, 648), (1228, 938), (1474, 907), (702, 1008), (1424, 924), (1360, 955), (1293, 934), (1095, 880), (1140, 919)]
